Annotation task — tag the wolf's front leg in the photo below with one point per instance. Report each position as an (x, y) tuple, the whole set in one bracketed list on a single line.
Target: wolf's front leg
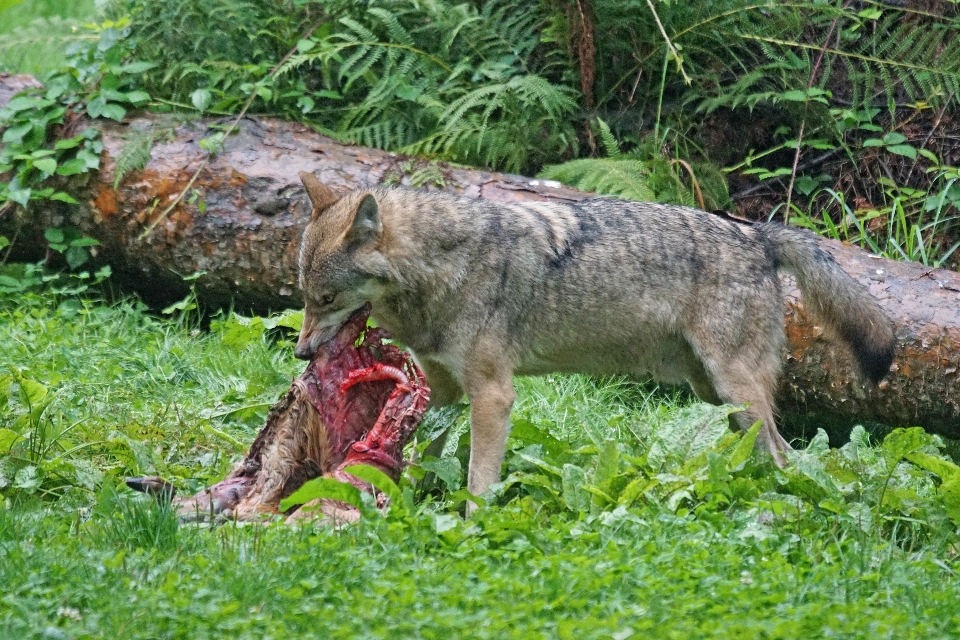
[(489, 385)]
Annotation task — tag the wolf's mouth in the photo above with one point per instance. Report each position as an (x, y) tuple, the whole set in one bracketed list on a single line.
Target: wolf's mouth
[(352, 326)]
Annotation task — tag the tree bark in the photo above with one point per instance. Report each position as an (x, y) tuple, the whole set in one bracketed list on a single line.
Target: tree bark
[(241, 220)]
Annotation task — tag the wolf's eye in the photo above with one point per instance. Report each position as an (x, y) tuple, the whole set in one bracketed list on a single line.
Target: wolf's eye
[(327, 299)]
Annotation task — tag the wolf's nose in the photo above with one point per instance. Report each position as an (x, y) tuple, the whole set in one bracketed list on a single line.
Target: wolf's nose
[(303, 351)]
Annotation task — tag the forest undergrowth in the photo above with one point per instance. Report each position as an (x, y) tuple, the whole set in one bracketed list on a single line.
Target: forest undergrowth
[(626, 509)]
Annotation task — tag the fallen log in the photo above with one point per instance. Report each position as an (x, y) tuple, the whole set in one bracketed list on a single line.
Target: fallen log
[(358, 403), (241, 220)]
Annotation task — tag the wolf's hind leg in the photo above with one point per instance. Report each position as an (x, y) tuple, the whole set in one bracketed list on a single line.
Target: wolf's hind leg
[(739, 383), (702, 386)]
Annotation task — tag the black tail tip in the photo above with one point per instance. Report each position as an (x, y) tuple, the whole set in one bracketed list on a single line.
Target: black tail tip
[(875, 360)]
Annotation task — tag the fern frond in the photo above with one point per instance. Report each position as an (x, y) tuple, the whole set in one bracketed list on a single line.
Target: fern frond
[(624, 178), (610, 144), (134, 156)]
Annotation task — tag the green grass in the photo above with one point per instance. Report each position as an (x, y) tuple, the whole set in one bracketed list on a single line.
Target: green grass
[(649, 572), (609, 524), (35, 34)]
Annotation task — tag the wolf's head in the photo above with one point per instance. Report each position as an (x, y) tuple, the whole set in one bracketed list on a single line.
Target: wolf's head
[(341, 267)]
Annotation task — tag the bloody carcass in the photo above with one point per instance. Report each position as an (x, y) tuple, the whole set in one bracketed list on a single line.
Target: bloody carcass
[(358, 402)]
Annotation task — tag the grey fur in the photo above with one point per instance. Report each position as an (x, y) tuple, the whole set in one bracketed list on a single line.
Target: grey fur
[(480, 291)]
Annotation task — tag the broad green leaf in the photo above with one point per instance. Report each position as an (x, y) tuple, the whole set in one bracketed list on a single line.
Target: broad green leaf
[(7, 4), (537, 480), (76, 256), (689, 432), (63, 197), (238, 332), (200, 99), (901, 442), (717, 466), (25, 103), (607, 466), (447, 469), (4, 242), (95, 106), (443, 522), (138, 97), (47, 165), (72, 167), (382, 482), (635, 489), (32, 392), (29, 479), (538, 462), (574, 488), (113, 111), (112, 95), (951, 498), (20, 196), (323, 488), (836, 506), (744, 448), (903, 150), (943, 468), (85, 242), (53, 234), (91, 158), (461, 496), (894, 138), (305, 103), (292, 319), (15, 134), (7, 439), (529, 433), (601, 498), (69, 143), (819, 445)]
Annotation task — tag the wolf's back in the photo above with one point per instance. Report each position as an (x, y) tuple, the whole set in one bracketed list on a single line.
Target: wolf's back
[(834, 298)]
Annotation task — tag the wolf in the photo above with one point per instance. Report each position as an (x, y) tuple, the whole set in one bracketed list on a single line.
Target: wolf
[(481, 291)]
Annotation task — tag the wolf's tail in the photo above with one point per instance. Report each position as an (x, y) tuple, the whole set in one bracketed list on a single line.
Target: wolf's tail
[(834, 298)]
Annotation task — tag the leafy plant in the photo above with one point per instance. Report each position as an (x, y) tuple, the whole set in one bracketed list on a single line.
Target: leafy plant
[(642, 174), (39, 142), (459, 82), (38, 454), (913, 225)]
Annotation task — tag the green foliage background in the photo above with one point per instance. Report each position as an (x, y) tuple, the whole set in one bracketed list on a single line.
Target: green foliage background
[(836, 116), (625, 510)]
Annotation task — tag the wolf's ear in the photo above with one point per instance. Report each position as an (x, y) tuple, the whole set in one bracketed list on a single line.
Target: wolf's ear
[(367, 225), (320, 196)]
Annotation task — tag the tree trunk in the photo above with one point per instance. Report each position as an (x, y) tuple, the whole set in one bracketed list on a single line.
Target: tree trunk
[(241, 219)]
